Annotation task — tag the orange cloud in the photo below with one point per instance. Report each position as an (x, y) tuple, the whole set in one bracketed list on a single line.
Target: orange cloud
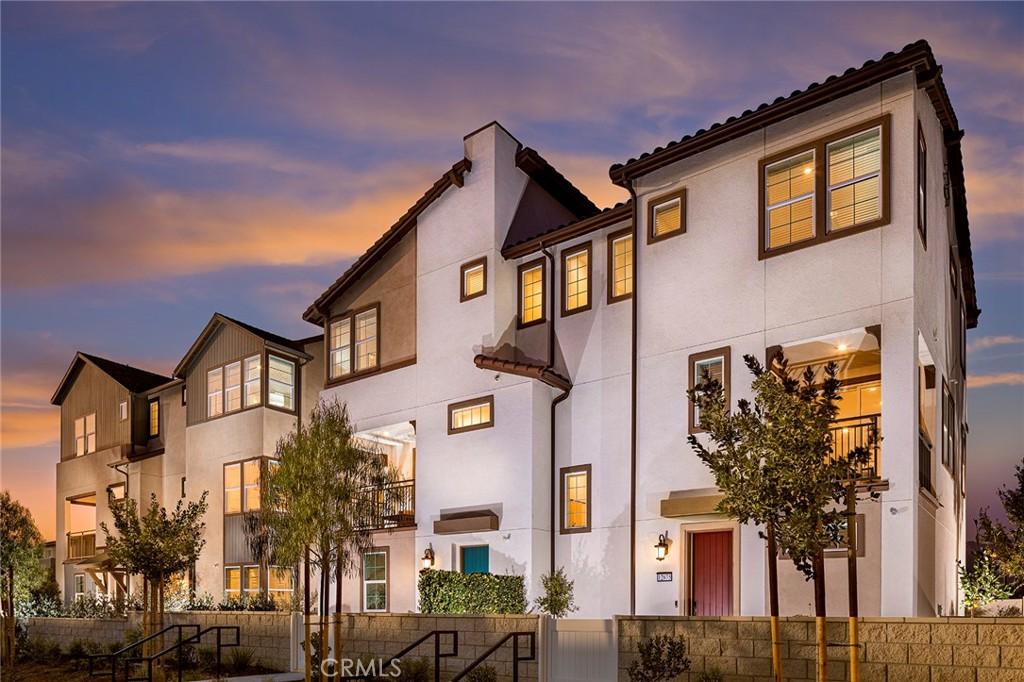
[(1000, 379)]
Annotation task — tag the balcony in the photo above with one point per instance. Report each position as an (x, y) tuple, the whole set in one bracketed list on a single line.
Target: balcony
[(393, 506), (82, 544), (855, 432), (924, 462)]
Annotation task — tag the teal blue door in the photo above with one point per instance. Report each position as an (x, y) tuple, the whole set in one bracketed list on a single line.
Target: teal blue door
[(475, 559)]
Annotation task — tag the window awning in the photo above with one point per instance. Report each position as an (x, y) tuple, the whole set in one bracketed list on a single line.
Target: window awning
[(466, 522), (690, 503)]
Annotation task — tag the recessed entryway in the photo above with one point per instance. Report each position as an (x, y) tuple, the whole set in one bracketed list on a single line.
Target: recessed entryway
[(709, 562)]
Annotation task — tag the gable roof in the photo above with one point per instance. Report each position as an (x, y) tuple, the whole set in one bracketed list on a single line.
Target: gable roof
[(218, 320), (916, 57), (453, 177), (570, 230), (135, 380)]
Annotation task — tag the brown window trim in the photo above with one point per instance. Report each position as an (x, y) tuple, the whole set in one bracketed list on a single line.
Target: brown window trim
[(661, 199), (612, 238), (149, 418), (819, 146), (296, 387), (489, 399), (562, 473), (946, 433), (462, 279), (241, 478), (572, 251), (386, 550), (726, 353), (223, 386), (542, 262), (330, 381), (922, 183)]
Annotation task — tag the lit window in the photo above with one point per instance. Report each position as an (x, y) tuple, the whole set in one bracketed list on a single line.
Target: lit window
[(948, 427), (471, 415), (576, 499), (375, 581), (474, 279), (232, 582), (251, 483), (531, 293), (252, 381), (341, 347), (713, 363), (576, 280), (280, 585), (232, 488), (122, 410), (79, 585), (366, 340), (922, 185), (215, 392), (252, 579), (242, 486), (85, 434), (154, 417), (854, 180), (666, 215), (620, 265), (281, 383), (233, 387), (789, 200)]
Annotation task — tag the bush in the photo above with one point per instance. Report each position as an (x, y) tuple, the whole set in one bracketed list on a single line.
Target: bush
[(40, 650), (713, 675), (1008, 612), (662, 658), (188, 600), (247, 602), (206, 657), (415, 670), (39, 606), (451, 592), (240, 659), (483, 673), (557, 600), (91, 606)]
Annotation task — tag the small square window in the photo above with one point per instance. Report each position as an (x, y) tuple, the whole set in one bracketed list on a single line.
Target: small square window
[(666, 216), (473, 276)]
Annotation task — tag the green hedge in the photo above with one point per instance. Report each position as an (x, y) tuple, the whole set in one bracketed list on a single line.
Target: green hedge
[(451, 592)]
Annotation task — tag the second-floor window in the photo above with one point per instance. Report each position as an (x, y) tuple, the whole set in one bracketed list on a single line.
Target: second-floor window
[(225, 385), (281, 383), (122, 410), (242, 486), (789, 198), (470, 415), (215, 392), (576, 499), (855, 180), (531, 293), (620, 266), (353, 343), (473, 276), (666, 216), (714, 364), (85, 434), (576, 280), (922, 185), (154, 417)]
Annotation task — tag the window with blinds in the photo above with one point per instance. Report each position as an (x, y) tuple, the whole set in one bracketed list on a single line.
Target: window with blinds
[(233, 387), (470, 415), (531, 293), (280, 582), (215, 392), (666, 215), (474, 279), (253, 372), (576, 280), (242, 486), (354, 345), (281, 383), (154, 417), (620, 267), (576, 499), (854, 180), (789, 198), (366, 340)]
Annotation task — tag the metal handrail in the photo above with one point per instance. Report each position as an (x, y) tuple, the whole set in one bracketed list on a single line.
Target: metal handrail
[(438, 654), (81, 544), (148, 660), (516, 658), (853, 432), (137, 643)]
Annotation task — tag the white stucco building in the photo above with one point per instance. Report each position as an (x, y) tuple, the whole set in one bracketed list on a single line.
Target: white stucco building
[(523, 356)]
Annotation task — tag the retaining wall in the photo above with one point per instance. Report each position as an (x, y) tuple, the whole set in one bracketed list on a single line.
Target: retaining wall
[(894, 649)]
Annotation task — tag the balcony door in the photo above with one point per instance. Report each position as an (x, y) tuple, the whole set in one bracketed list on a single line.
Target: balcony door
[(711, 573)]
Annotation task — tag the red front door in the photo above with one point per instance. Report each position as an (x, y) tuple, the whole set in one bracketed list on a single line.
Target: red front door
[(711, 573)]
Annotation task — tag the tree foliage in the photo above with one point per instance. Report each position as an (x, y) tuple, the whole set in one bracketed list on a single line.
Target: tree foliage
[(980, 584), (1004, 544), (20, 550), (661, 658), (454, 592), (557, 600)]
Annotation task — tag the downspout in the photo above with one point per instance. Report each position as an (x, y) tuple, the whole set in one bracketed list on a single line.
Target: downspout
[(554, 404), (632, 396)]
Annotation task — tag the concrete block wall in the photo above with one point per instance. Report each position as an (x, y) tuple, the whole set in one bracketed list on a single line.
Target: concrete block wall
[(383, 635), (894, 649), (267, 634)]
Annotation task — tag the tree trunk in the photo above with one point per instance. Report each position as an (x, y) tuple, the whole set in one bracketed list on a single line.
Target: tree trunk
[(10, 623), (851, 563), (773, 602), (325, 569), (145, 613), (338, 574), (308, 648), (819, 615)]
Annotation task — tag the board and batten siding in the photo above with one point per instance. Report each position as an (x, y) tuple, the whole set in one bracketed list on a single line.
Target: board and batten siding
[(229, 343), (94, 391)]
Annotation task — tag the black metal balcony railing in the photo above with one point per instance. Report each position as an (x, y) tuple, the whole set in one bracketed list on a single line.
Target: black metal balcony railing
[(392, 506), (855, 432), (924, 462), (81, 544)]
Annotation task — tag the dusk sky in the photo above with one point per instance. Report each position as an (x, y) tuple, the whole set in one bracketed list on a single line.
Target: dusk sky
[(164, 161)]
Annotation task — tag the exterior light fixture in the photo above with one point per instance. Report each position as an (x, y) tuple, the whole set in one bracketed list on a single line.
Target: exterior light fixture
[(661, 549), (428, 558)]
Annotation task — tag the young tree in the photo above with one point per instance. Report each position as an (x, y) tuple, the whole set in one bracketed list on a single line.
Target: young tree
[(558, 599), (320, 501), (20, 546), (773, 462), (156, 546), (1004, 545), (980, 584)]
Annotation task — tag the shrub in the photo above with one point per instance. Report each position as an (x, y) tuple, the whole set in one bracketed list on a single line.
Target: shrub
[(41, 650), (713, 675), (483, 673), (980, 584), (661, 658), (39, 606), (451, 592), (247, 602), (188, 600), (132, 635), (206, 657), (415, 670), (91, 606), (1008, 612), (240, 659), (557, 600)]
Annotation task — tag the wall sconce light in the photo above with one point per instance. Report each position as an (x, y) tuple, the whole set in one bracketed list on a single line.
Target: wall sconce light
[(661, 549), (428, 558)]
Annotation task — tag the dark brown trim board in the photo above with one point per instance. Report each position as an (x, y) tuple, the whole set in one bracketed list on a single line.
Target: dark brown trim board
[(487, 399), (537, 371), (612, 238), (530, 265), (562, 473), (586, 247), (479, 521), (654, 202), (463, 297), (386, 550), (724, 352), (819, 147)]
